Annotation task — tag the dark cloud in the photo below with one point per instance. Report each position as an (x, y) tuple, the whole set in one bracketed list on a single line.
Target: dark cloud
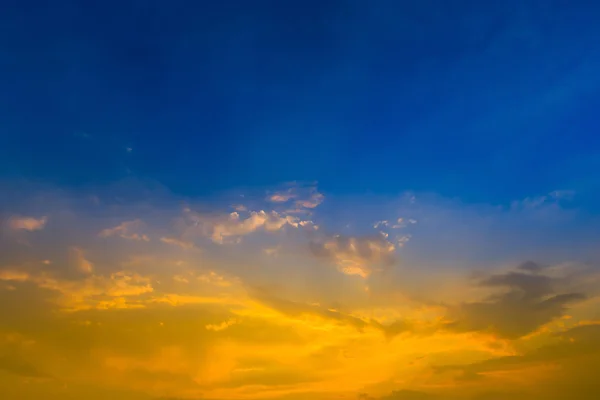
[(526, 302), (530, 266)]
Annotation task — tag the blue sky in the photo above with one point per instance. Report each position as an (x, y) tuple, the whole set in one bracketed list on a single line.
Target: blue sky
[(483, 101)]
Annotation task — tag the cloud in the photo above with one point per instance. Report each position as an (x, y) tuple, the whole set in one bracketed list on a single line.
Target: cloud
[(27, 223), (356, 255), (92, 292), (222, 326), (240, 207), (9, 275), (295, 309), (126, 230), (230, 228), (282, 197), (313, 201), (271, 251), (20, 367), (298, 310), (78, 259), (528, 300), (305, 197), (216, 279), (569, 359), (112, 310), (177, 242)]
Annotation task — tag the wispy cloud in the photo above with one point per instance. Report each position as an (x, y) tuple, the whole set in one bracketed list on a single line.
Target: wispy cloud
[(126, 230), (177, 242)]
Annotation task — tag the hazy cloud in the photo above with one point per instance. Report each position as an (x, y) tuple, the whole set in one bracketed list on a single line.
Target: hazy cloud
[(27, 223), (126, 230)]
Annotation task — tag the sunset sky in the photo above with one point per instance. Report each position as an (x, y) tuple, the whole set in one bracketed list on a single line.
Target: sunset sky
[(300, 200)]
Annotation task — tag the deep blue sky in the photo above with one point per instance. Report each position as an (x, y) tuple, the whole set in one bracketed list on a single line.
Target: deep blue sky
[(487, 101)]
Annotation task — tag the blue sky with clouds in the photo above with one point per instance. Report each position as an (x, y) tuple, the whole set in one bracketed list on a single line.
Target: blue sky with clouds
[(333, 199)]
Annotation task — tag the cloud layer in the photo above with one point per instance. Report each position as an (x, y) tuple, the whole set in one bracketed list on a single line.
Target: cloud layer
[(288, 293)]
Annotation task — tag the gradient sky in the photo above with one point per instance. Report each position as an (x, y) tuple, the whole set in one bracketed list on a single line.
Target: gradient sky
[(294, 200)]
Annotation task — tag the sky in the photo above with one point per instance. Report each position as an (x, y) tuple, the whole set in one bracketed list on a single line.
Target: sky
[(294, 200)]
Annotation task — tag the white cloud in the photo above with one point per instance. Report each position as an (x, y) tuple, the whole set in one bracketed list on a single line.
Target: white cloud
[(232, 227)]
